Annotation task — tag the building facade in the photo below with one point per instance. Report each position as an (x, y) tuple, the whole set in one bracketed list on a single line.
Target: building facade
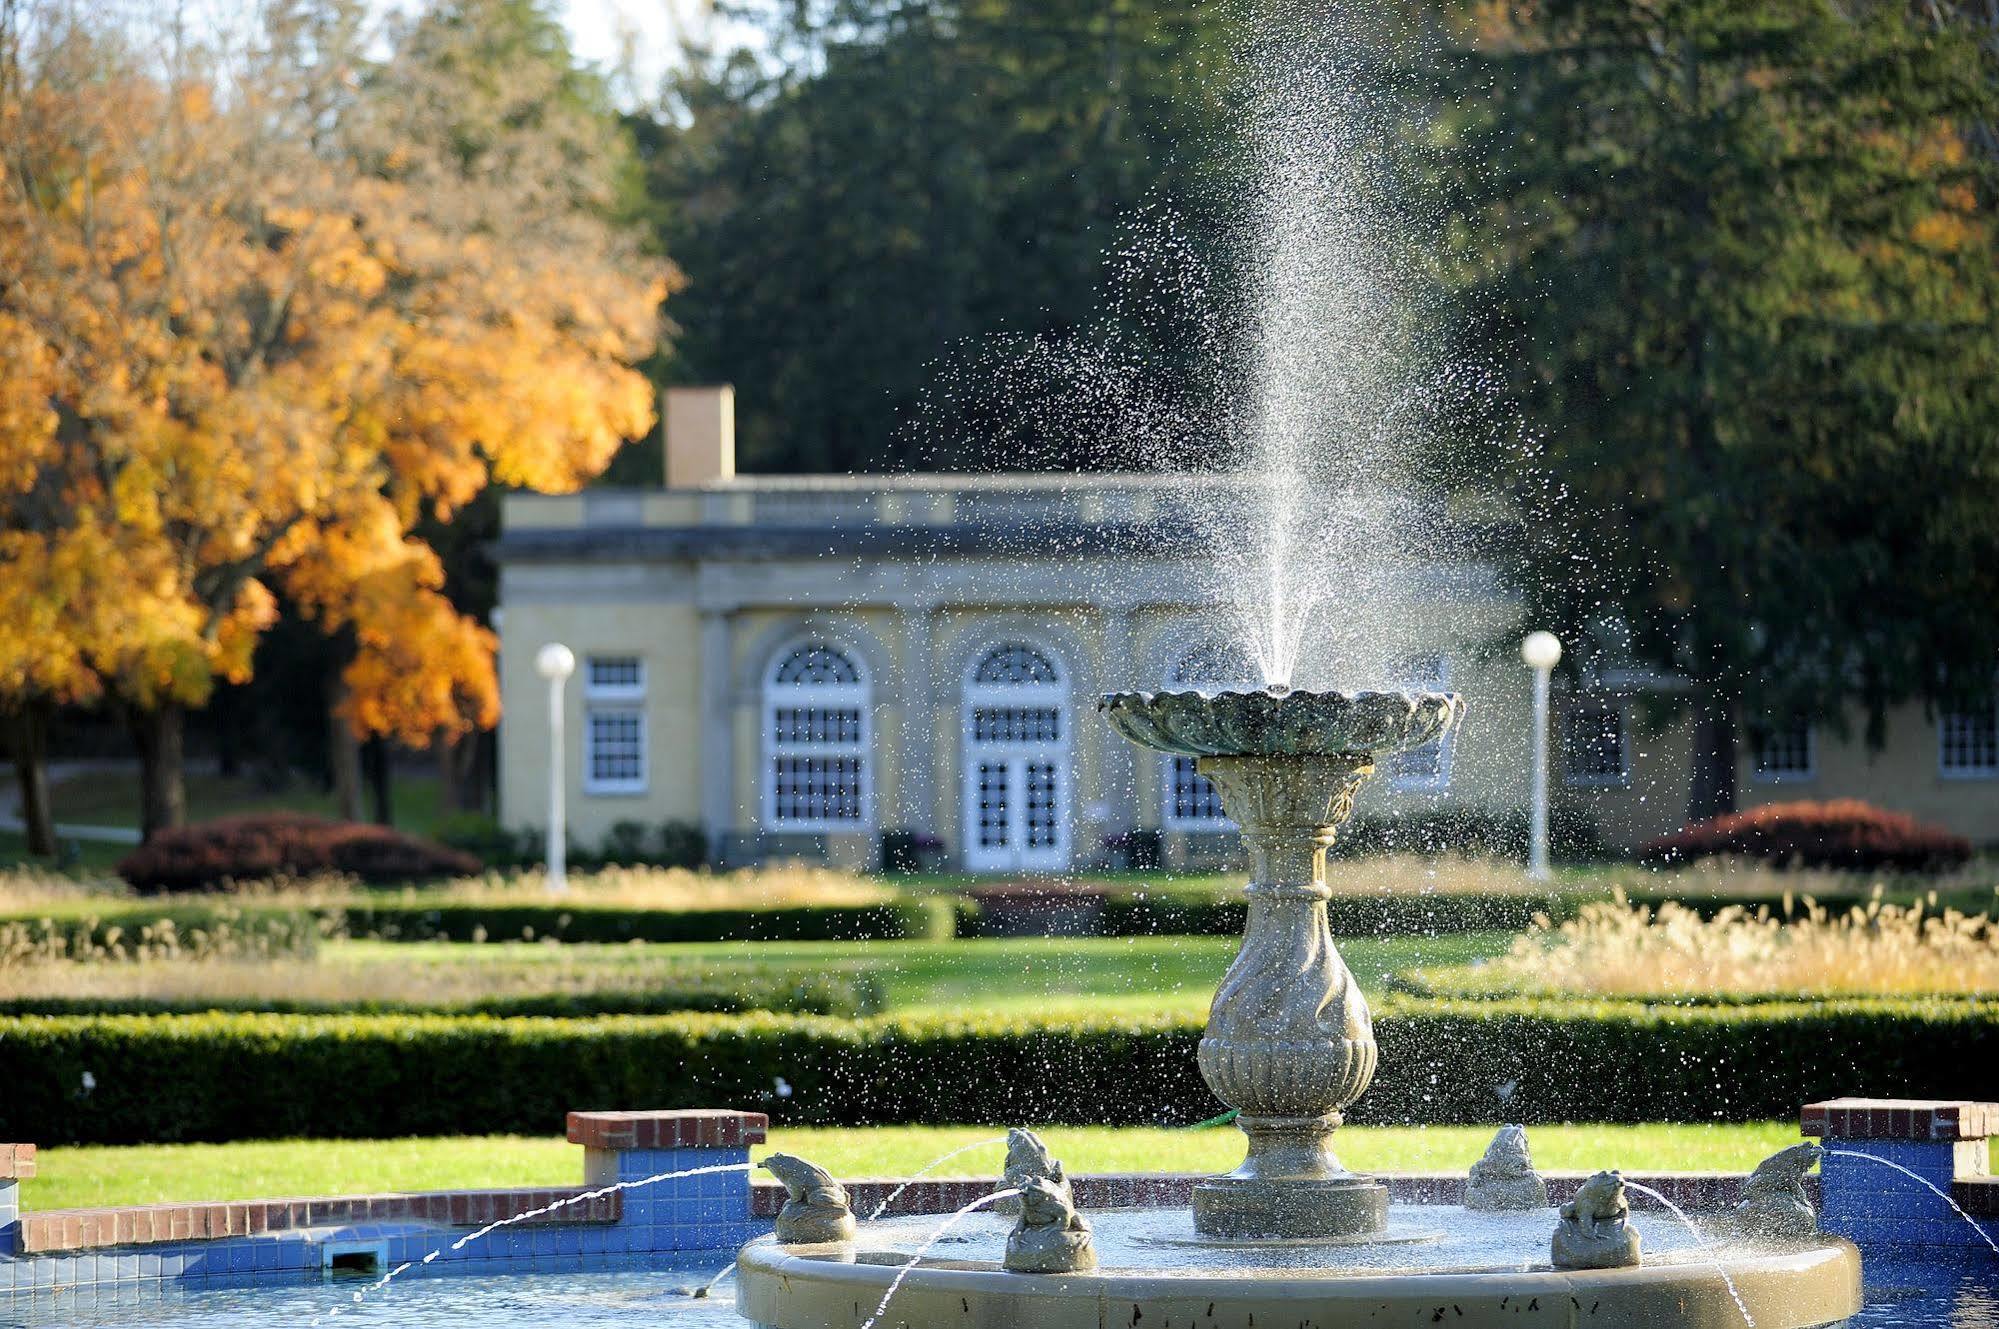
[(799, 665)]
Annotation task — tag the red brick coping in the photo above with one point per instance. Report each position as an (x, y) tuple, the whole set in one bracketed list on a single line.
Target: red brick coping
[(680, 1128), (1926, 1119), (140, 1225), (17, 1162)]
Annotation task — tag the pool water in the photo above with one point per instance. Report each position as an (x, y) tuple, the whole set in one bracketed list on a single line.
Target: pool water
[(1919, 1297)]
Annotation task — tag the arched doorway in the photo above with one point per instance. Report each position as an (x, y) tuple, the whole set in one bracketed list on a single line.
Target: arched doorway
[(1017, 764)]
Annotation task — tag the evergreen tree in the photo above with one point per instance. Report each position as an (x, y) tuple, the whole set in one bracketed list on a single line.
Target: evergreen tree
[(1739, 262)]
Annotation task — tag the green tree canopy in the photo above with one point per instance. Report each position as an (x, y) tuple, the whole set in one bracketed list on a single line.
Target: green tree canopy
[(1737, 262)]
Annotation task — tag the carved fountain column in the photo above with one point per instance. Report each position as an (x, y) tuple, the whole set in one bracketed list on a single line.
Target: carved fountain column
[(1289, 1041)]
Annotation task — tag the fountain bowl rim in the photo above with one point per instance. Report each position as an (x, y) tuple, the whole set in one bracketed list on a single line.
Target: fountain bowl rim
[(1297, 722)]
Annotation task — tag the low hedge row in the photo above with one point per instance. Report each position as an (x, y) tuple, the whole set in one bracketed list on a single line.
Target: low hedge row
[(125, 1079), (125, 927), (818, 994)]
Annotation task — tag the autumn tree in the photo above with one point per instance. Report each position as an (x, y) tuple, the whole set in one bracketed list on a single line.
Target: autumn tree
[(267, 309), (1738, 261)]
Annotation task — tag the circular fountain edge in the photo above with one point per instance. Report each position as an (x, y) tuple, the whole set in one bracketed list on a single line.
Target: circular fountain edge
[(836, 1287)]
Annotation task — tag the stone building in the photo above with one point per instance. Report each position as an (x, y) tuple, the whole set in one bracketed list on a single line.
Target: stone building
[(799, 664)]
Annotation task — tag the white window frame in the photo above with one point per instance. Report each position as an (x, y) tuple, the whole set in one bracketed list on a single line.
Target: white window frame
[(856, 695), (622, 700), (1195, 669), (1059, 753), (1431, 673), (1586, 780), (1805, 776), (1949, 771)]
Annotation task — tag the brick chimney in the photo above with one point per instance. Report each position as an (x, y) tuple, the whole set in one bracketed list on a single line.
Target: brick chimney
[(700, 435)]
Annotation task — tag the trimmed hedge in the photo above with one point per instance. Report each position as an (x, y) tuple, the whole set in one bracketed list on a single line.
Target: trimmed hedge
[(123, 927), (127, 1079)]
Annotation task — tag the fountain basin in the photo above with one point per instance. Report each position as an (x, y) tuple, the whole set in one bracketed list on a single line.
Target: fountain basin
[(1280, 723), (1485, 1271)]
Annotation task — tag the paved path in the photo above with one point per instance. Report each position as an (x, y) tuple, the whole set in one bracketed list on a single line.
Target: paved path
[(59, 771)]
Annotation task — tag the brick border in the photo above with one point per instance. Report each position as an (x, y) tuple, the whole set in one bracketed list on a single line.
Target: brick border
[(17, 1162), (142, 1225), (1926, 1119), (697, 1128)]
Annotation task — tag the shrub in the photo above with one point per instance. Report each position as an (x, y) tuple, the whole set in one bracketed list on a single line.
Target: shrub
[(1135, 851), (682, 844), (284, 845), (127, 1079), (907, 851), (1842, 833), (486, 840), (624, 844), (396, 920)]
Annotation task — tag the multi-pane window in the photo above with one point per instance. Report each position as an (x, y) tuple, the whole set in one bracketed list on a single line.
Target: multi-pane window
[(1786, 753), (614, 725), (1968, 743), (1426, 768), (816, 702), (1596, 750), (1191, 801)]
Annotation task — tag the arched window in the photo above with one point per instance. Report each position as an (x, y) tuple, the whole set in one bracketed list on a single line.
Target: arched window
[(1191, 802), (816, 732), (1425, 769), (1016, 795)]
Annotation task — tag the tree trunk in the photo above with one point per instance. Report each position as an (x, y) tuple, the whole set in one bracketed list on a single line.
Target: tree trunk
[(30, 742), (343, 754), (162, 770), (460, 768), (381, 780), (1712, 792)]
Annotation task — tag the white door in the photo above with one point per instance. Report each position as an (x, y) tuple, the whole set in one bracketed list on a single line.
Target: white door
[(1016, 762)]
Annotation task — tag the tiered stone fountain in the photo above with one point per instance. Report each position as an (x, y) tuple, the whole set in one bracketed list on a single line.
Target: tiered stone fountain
[(1291, 1236)]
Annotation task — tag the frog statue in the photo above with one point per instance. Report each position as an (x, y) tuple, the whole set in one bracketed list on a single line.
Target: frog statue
[(1505, 1178), (1051, 1237), (815, 1208), (1595, 1231), (1027, 1158), (1774, 1203)]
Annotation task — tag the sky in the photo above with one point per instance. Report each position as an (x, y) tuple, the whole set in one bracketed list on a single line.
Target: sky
[(602, 30)]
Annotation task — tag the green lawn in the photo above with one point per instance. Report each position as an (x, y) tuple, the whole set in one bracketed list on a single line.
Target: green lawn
[(113, 799), (150, 1174), (1013, 975)]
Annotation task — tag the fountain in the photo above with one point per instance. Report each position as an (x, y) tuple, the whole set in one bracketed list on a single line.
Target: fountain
[(1291, 1236)]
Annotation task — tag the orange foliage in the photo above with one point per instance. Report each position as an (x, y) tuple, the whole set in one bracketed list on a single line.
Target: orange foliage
[(243, 353)]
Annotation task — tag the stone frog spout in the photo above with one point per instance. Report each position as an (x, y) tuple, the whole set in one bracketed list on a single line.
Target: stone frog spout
[(1505, 1177), (1595, 1231), (1774, 1202), (1051, 1237), (815, 1208), (1027, 1158)]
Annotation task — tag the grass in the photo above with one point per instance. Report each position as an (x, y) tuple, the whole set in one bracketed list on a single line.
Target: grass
[(1671, 952), (151, 1174), (1003, 975)]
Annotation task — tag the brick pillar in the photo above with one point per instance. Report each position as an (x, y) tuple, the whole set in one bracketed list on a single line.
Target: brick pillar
[(17, 1164), (707, 1212), (1878, 1208)]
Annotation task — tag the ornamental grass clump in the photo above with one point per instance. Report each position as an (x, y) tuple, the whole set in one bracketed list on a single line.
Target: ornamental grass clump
[(1616, 949)]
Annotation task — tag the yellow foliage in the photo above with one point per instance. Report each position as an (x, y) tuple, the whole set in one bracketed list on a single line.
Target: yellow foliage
[(238, 361)]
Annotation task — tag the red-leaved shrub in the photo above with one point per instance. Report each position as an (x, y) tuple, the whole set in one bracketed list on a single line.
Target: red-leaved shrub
[(284, 844), (1842, 833)]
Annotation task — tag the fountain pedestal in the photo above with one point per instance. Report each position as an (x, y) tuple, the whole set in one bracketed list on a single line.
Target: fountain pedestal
[(1289, 1041)]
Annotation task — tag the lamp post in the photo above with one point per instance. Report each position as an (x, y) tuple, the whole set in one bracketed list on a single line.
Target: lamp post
[(556, 662), (1541, 651)]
